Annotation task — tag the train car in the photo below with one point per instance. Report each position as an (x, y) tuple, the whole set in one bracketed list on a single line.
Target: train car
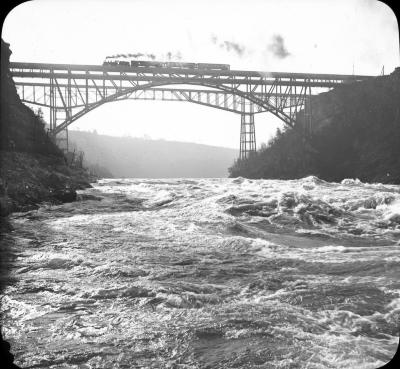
[(148, 64), (211, 66), (189, 65), (136, 63), (174, 65), (155, 64), (180, 65), (109, 63), (158, 64)]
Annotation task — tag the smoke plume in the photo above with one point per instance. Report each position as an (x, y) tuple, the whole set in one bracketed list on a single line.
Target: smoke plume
[(278, 48), (169, 56), (172, 56), (229, 46)]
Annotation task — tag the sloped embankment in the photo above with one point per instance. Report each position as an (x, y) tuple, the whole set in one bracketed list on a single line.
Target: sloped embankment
[(356, 134), (27, 180), (32, 168)]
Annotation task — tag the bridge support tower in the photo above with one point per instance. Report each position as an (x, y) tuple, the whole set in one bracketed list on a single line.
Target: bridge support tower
[(247, 135), (307, 113), (59, 114)]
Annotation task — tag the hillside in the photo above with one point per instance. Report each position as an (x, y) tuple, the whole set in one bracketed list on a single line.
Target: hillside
[(32, 168), (356, 134), (139, 157)]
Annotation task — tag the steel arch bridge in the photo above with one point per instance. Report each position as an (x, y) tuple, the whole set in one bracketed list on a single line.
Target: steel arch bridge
[(71, 91)]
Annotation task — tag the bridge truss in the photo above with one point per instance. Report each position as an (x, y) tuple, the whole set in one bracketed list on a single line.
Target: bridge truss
[(71, 91)]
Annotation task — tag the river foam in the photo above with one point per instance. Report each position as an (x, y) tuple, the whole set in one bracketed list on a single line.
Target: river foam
[(208, 273)]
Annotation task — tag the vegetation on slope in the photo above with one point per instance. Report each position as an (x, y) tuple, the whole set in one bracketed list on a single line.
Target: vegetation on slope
[(356, 134), (32, 168)]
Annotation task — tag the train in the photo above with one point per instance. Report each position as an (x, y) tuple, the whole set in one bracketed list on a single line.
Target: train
[(159, 64)]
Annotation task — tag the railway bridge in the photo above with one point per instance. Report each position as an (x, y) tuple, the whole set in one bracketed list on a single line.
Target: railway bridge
[(69, 91)]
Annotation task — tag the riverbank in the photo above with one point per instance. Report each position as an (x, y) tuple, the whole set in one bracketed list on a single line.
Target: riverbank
[(27, 180), (33, 169), (355, 134)]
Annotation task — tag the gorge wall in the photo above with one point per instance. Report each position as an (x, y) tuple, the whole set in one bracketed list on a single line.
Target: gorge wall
[(32, 168), (355, 134)]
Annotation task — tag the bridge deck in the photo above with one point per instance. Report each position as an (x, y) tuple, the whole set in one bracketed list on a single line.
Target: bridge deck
[(99, 72), (72, 90)]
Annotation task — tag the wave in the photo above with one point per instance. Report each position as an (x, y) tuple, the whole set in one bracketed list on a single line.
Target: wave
[(208, 268)]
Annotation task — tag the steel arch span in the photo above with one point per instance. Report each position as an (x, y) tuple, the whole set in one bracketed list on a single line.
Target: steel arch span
[(71, 91), (222, 98)]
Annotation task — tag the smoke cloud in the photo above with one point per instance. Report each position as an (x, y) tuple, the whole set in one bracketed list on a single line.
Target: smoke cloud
[(137, 55), (176, 56), (278, 48), (169, 56), (229, 46)]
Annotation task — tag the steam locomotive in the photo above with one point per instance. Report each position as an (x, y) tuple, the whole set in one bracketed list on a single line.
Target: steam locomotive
[(157, 64)]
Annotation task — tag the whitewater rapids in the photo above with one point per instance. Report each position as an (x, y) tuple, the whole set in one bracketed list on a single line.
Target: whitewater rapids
[(207, 273)]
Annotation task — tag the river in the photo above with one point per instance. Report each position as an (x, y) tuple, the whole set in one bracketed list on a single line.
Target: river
[(207, 273)]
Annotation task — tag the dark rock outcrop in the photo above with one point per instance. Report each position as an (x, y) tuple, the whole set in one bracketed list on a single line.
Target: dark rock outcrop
[(32, 168), (6, 357)]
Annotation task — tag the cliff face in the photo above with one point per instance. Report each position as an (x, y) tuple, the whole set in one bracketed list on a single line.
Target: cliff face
[(356, 134), (32, 168)]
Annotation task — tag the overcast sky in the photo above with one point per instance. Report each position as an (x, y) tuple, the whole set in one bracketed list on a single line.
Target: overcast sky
[(318, 36)]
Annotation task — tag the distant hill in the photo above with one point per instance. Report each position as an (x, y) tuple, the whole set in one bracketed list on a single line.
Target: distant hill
[(145, 158)]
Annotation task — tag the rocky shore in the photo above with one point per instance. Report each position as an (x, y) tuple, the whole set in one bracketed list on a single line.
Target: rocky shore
[(28, 180), (33, 171)]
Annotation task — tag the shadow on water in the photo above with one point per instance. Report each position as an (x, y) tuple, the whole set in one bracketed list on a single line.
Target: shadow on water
[(7, 257)]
